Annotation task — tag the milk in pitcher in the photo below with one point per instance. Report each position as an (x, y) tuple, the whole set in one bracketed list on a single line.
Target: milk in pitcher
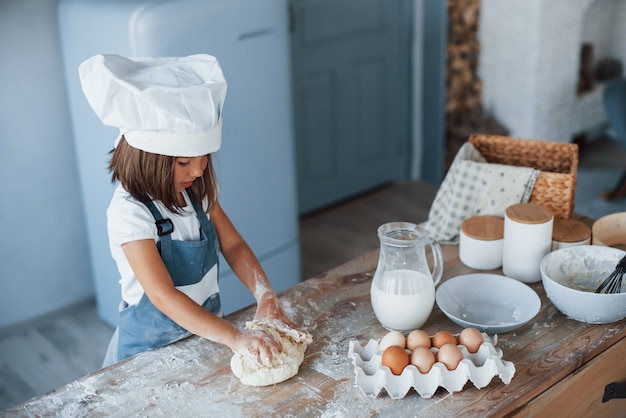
[(406, 302)]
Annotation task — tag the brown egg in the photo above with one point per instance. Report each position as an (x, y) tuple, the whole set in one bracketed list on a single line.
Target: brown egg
[(417, 338), (450, 355), (423, 359), (396, 358), (443, 337), (471, 338)]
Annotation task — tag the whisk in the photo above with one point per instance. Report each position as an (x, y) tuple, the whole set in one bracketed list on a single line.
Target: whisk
[(613, 283)]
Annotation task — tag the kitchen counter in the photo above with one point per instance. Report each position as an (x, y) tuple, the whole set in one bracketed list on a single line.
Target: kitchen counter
[(562, 366)]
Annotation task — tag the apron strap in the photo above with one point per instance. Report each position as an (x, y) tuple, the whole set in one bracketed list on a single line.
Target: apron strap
[(202, 216), (164, 225), (164, 228), (206, 225)]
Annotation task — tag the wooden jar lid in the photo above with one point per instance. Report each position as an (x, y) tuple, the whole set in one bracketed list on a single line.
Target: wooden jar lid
[(570, 230), (486, 228), (528, 213)]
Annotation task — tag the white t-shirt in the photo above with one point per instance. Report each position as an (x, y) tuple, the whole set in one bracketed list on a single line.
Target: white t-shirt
[(130, 220)]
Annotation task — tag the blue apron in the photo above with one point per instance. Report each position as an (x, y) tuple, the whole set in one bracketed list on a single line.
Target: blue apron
[(143, 327)]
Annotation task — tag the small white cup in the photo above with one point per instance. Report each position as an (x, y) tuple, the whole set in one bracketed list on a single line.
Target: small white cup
[(480, 242), (569, 233), (527, 239)]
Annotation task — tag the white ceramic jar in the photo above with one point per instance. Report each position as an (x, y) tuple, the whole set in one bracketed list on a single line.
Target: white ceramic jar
[(569, 233), (480, 242), (527, 239)]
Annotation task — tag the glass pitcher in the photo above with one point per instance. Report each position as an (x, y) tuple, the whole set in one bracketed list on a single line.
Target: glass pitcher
[(403, 287)]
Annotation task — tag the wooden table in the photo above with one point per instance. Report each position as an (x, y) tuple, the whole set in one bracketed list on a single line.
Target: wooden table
[(562, 366)]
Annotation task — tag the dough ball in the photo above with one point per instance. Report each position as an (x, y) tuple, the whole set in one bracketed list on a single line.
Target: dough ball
[(283, 366)]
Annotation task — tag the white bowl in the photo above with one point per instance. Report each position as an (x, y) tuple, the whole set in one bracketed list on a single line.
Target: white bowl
[(570, 277), (610, 230), (490, 303)]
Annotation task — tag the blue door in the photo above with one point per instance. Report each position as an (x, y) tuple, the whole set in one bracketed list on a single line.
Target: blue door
[(352, 91)]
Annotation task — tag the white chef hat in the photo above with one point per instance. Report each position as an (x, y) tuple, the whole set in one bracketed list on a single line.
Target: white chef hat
[(169, 106)]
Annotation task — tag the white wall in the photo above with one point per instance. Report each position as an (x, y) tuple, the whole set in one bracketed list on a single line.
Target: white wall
[(529, 63), (44, 262)]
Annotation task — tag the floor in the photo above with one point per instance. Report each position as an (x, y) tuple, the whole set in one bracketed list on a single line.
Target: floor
[(602, 161), (43, 354)]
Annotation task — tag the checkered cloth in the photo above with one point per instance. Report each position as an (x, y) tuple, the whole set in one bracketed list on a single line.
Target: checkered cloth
[(473, 187)]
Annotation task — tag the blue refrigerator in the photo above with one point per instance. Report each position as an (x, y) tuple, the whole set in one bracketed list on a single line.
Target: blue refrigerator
[(256, 164)]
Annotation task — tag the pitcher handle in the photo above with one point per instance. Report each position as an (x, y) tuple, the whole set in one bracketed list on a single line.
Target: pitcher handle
[(437, 260)]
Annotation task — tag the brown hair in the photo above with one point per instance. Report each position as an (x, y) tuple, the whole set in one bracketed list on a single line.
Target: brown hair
[(151, 176)]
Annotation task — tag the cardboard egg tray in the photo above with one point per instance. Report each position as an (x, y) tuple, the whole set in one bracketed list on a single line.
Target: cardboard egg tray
[(479, 368)]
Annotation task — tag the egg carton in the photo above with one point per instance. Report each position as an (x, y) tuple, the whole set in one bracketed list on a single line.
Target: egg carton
[(479, 368)]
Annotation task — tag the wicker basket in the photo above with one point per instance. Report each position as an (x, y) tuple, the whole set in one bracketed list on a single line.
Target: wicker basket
[(558, 162)]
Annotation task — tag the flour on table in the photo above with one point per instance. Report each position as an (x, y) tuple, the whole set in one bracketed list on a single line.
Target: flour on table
[(283, 366)]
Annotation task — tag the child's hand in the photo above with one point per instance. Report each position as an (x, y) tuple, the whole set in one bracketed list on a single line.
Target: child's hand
[(259, 344), (269, 309)]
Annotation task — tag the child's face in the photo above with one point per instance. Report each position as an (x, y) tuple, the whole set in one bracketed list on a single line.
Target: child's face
[(187, 169)]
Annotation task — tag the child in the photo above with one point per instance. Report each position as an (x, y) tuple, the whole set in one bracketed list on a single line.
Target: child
[(164, 243)]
